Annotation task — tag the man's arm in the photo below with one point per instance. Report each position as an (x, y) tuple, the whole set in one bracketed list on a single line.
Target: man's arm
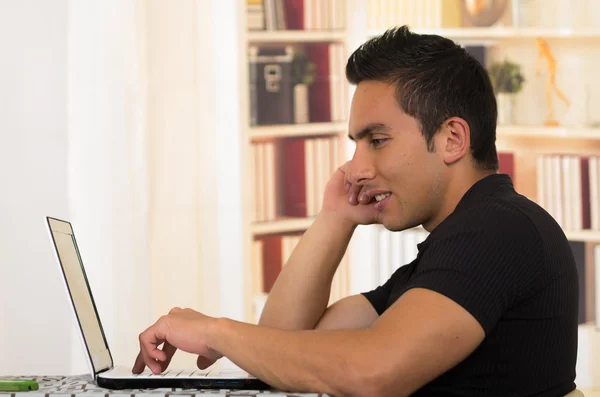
[(421, 336), (354, 311), (300, 294)]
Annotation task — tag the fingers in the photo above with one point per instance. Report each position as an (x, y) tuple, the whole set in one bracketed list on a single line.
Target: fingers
[(169, 351), (150, 339), (354, 191), (204, 362), (139, 365)]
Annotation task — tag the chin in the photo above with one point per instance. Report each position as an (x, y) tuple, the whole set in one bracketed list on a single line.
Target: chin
[(396, 224)]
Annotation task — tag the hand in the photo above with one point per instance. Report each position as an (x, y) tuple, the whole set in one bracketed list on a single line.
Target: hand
[(342, 197), (183, 329)]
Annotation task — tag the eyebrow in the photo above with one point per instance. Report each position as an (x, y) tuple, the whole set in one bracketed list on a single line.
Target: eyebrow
[(369, 129)]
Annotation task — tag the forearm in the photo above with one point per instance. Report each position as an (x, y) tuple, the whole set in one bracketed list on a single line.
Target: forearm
[(301, 293), (299, 361)]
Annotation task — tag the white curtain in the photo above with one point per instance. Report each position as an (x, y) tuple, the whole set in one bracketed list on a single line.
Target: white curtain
[(146, 195)]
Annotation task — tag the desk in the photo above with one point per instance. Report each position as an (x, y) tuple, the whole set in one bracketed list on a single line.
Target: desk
[(82, 385)]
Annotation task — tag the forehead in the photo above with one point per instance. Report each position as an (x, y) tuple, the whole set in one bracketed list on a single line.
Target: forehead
[(373, 95), (375, 102)]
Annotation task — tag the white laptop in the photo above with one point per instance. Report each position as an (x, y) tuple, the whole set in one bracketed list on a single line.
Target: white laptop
[(94, 341)]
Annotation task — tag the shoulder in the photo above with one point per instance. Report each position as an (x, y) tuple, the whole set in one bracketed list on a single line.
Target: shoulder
[(510, 221)]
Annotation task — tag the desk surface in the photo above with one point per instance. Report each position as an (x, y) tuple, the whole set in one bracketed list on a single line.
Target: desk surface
[(69, 386)]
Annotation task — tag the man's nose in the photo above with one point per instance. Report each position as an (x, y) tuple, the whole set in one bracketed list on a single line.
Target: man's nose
[(360, 169)]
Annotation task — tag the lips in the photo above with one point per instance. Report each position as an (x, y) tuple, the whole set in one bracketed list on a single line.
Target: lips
[(375, 196), (381, 196)]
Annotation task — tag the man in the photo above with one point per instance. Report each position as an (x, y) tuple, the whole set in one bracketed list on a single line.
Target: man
[(488, 307)]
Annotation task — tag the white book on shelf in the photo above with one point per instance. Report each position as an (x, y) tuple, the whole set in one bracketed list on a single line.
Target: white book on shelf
[(280, 15), (384, 252), (271, 198), (376, 10), (257, 265), (411, 13), (255, 14), (370, 14), (437, 13), (420, 13), (301, 104), (322, 165), (540, 185), (597, 284), (310, 177), (286, 249), (397, 252), (308, 15), (326, 14), (317, 14), (259, 182), (594, 166), (270, 15), (548, 183), (339, 11), (430, 14), (254, 187), (334, 156), (566, 192), (577, 196), (389, 13), (557, 190), (333, 16), (408, 242)]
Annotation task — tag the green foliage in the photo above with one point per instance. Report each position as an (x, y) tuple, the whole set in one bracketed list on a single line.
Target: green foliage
[(303, 71), (506, 77)]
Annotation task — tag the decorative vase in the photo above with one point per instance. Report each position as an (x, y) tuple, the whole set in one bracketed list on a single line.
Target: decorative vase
[(506, 108)]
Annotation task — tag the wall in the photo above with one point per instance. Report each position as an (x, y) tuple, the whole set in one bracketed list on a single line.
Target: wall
[(35, 322)]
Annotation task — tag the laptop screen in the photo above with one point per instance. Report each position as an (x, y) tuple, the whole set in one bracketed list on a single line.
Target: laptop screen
[(80, 293)]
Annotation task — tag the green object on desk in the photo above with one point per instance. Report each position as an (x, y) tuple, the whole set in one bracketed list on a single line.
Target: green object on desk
[(18, 385)]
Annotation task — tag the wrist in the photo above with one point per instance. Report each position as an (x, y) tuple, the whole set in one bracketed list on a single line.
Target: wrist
[(336, 221), (217, 331)]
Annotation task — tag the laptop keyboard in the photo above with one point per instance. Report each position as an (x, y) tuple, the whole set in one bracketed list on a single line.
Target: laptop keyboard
[(125, 372), (173, 374)]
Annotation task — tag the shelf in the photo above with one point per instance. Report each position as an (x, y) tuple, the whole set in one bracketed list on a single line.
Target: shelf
[(295, 36), (282, 226), (584, 235), (296, 130), (548, 132), (506, 33)]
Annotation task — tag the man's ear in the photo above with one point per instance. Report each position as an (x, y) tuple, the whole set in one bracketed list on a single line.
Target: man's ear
[(456, 140)]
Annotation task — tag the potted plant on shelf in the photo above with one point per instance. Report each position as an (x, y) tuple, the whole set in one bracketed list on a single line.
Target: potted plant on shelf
[(303, 75), (507, 81)]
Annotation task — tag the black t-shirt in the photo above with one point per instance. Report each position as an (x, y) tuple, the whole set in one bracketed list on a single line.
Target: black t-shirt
[(507, 262)]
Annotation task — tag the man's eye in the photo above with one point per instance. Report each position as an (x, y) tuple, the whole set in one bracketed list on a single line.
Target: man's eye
[(377, 142)]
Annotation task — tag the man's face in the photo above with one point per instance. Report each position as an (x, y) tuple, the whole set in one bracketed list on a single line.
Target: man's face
[(391, 158)]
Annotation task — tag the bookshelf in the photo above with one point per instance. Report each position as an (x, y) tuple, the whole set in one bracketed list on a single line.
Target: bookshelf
[(540, 132), (296, 102), (296, 130), (507, 33), (295, 36), (281, 226), (525, 146)]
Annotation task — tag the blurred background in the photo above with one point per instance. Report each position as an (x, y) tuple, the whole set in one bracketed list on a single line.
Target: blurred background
[(189, 143)]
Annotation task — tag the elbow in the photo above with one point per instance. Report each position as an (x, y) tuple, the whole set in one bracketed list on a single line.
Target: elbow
[(369, 379)]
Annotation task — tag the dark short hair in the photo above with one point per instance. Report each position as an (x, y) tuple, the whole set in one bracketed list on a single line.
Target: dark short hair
[(435, 79)]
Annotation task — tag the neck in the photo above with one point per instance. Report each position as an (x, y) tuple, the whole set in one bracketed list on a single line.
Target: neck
[(457, 185)]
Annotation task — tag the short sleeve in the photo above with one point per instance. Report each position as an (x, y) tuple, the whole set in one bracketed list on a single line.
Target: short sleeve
[(379, 297), (485, 271)]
